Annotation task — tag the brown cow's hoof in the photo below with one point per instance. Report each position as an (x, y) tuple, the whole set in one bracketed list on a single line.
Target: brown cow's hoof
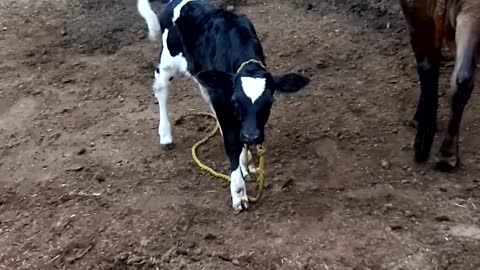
[(423, 142), (411, 123), (447, 164)]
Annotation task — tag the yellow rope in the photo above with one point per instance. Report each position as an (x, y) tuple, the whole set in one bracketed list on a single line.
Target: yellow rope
[(260, 152), (250, 61)]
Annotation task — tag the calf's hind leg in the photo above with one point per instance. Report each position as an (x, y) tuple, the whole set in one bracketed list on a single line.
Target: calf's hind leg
[(169, 66), (462, 83)]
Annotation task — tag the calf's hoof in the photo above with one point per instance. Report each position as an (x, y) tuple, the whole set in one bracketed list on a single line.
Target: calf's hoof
[(240, 205), (168, 146), (240, 200), (166, 139)]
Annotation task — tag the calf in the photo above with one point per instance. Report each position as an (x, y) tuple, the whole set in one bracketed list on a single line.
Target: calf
[(430, 23), (221, 52)]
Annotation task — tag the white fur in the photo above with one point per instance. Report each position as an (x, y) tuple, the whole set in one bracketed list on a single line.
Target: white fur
[(169, 67), (160, 87), (253, 87), (206, 97), (238, 190), (177, 9), (150, 17), (204, 93), (177, 63), (246, 163)]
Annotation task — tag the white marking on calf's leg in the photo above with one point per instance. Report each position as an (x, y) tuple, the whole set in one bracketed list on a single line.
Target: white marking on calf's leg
[(238, 190), (160, 87), (168, 67), (244, 165)]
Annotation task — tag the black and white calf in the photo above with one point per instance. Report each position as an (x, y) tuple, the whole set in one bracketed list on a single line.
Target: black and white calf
[(221, 52)]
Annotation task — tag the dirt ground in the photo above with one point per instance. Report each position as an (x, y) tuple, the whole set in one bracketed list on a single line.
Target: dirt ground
[(84, 183)]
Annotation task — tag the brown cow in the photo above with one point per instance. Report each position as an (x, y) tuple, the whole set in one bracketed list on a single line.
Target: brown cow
[(430, 23)]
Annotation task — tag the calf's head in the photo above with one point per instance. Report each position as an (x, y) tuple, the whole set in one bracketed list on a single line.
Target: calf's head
[(248, 99)]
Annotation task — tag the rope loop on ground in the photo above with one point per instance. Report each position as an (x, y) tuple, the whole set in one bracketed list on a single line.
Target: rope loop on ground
[(258, 175)]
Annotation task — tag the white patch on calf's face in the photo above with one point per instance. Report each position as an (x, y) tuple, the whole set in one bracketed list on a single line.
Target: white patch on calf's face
[(178, 9), (253, 87)]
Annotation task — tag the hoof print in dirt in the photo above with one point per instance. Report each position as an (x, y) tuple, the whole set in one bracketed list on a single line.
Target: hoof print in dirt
[(99, 178), (442, 218), (81, 151), (209, 236)]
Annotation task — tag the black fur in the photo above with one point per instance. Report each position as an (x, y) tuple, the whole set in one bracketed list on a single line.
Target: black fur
[(215, 43)]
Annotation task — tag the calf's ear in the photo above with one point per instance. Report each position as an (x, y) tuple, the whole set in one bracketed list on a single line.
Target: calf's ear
[(216, 80), (290, 83)]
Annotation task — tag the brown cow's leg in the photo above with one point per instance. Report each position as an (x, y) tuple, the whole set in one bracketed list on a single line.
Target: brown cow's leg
[(462, 82), (426, 43)]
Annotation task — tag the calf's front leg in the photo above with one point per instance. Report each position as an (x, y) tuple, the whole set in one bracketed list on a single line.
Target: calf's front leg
[(233, 148), (160, 88), (246, 163)]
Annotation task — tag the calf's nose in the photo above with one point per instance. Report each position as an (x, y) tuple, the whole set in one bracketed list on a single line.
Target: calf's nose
[(250, 136)]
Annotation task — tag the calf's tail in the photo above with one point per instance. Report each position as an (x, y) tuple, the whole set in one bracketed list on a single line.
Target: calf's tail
[(145, 9)]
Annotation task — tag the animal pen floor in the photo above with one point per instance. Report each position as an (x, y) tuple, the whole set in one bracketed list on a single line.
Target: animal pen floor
[(85, 184)]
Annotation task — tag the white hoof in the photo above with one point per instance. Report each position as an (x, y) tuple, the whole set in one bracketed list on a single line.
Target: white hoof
[(240, 203), (166, 139), (165, 133)]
